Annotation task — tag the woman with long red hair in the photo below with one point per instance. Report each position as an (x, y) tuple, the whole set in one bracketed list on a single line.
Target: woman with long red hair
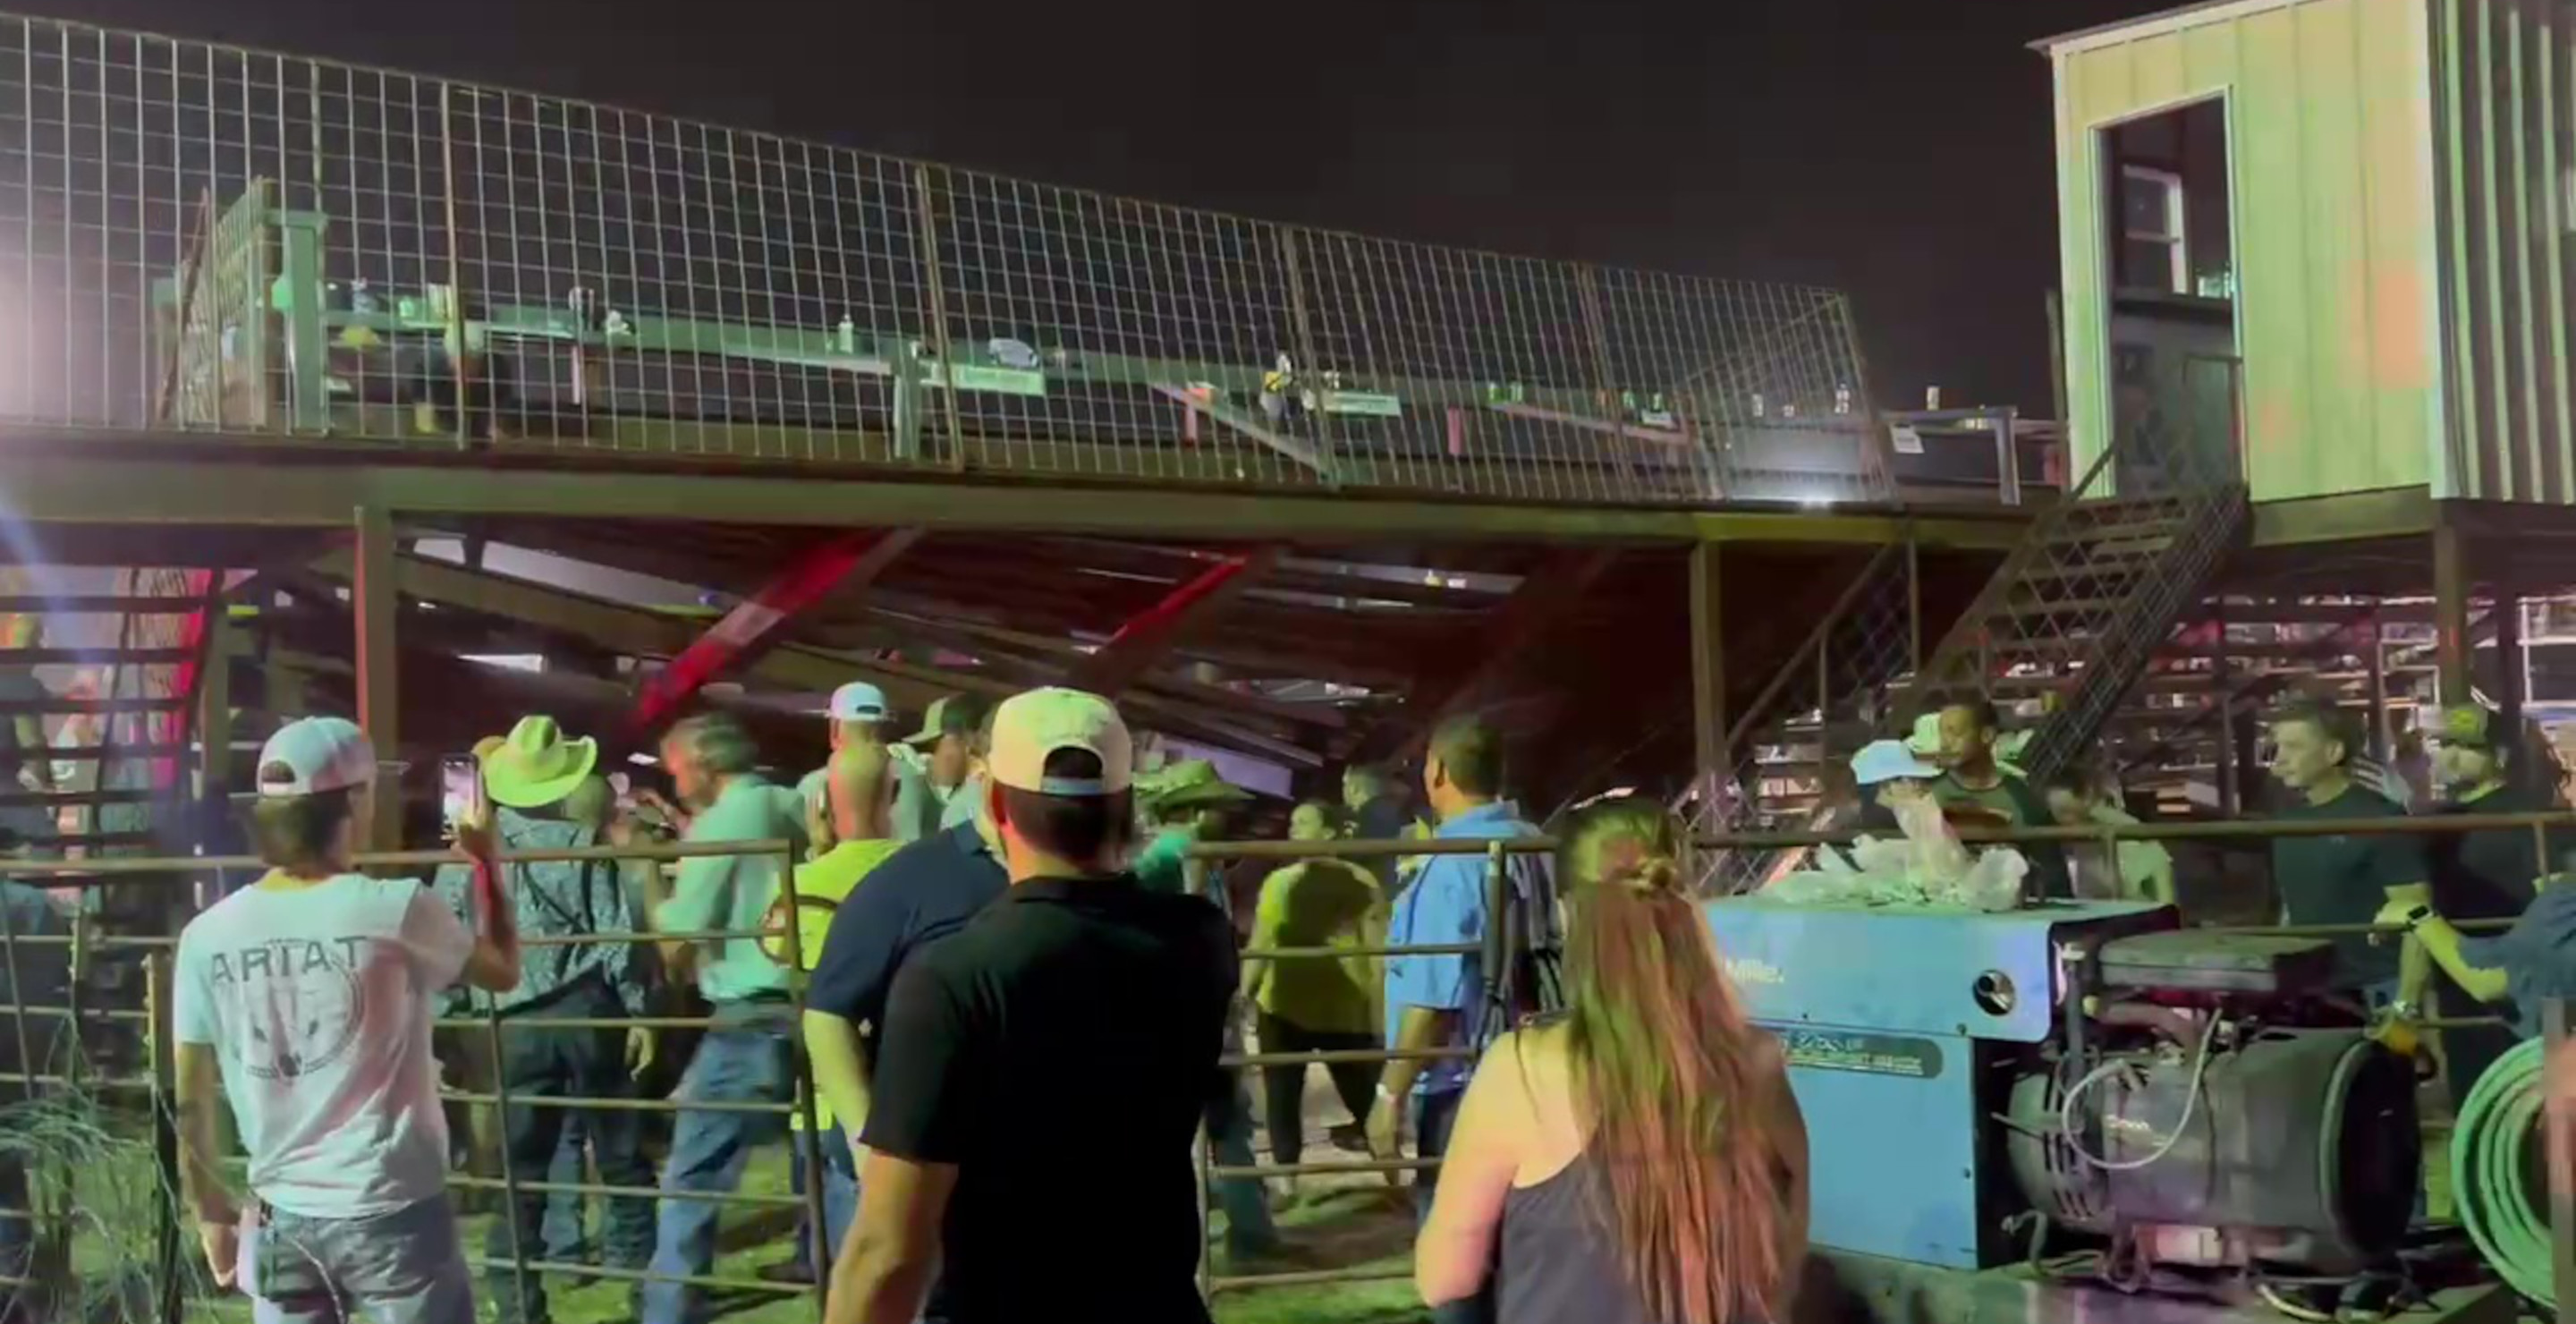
[(1637, 1158)]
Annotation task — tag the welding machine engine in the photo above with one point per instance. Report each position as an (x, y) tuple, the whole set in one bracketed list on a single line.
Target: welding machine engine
[(2200, 1111), (1981, 1089)]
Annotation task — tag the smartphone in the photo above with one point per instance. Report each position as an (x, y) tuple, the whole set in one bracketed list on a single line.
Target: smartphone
[(460, 785)]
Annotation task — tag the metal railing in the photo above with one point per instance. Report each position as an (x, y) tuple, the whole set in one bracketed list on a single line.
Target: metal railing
[(150, 1023), (1494, 955), (213, 238)]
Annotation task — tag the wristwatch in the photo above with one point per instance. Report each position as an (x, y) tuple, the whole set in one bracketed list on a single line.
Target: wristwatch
[(2417, 915)]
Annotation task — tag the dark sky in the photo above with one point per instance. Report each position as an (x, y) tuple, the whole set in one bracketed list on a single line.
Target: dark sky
[(1898, 149)]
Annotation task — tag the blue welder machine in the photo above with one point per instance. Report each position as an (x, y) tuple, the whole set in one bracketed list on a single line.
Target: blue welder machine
[(1978, 1086)]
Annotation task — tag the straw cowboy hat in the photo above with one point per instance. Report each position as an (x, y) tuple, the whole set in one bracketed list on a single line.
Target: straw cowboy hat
[(1189, 784), (534, 765)]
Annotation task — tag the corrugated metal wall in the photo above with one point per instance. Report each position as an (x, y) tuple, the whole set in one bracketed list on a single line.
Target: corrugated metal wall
[(2335, 228), (2504, 116)]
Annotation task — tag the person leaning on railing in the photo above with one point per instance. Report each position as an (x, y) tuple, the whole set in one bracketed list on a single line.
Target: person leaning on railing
[(547, 796), (2520, 969), (306, 999), (1638, 1158), (2488, 874), (2344, 879)]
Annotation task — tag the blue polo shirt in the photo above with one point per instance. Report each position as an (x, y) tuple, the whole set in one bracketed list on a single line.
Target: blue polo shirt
[(1446, 904), (919, 895), (2537, 955)]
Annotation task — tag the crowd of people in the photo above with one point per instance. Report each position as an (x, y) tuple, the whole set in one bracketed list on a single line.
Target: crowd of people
[(2412, 887), (1012, 985), (1018, 988)]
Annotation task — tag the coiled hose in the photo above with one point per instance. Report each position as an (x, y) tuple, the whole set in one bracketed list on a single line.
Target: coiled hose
[(2496, 1159)]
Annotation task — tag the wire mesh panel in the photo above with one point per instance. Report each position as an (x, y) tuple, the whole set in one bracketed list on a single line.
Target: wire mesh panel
[(1791, 746), (198, 236)]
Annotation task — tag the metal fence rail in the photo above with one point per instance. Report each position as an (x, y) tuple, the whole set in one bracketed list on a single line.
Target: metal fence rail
[(196, 236), (26, 1025)]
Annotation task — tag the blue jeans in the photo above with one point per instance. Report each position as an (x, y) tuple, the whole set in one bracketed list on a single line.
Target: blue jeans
[(1248, 1227), (840, 1197), (406, 1267), (566, 1231), (734, 1064)]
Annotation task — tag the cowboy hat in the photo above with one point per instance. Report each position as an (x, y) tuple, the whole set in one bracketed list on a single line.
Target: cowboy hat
[(534, 765), (1189, 784)]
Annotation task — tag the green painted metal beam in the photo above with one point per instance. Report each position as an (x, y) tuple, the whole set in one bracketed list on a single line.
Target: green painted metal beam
[(242, 483)]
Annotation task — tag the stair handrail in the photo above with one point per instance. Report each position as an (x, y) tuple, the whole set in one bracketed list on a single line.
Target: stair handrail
[(1904, 696)]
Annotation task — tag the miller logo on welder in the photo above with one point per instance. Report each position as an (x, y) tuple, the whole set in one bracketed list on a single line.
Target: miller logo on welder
[(2085, 1062)]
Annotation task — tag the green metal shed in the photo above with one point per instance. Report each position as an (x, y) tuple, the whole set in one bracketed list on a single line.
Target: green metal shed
[(2336, 225)]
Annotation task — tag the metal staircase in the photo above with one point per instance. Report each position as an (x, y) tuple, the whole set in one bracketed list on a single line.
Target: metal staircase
[(114, 694), (2070, 622)]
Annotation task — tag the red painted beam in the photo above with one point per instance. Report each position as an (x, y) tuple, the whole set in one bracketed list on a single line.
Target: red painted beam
[(1150, 634), (759, 622)]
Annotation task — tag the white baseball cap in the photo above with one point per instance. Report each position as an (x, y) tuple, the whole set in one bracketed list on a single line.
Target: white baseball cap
[(315, 755), (859, 701), (1887, 761), (1029, 727)]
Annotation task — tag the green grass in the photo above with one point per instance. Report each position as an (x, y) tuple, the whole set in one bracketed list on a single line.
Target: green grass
[(114, 1194)]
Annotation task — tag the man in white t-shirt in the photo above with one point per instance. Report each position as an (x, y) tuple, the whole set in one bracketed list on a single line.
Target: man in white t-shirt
[(306, 998)]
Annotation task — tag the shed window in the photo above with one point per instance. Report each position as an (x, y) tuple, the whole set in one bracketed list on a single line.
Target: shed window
[(2155, 252)]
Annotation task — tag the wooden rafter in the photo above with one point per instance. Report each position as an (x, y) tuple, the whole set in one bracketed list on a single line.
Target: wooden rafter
[(1147, 637)]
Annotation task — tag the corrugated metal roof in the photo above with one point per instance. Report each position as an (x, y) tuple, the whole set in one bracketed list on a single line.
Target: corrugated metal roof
[(2163, 20)]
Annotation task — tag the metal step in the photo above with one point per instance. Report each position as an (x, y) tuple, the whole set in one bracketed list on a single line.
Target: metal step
[(2161, 532), (2064, 606), (2099, 568), (55, 799), (93, 657), (98, 605), (92, 840), (69, 706), (92, 753)]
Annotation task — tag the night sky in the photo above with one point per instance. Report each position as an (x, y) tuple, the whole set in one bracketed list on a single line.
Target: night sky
[(1895, 148)]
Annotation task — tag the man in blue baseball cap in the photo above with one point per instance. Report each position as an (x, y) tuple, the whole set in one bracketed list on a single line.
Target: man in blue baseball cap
[(859, 714)]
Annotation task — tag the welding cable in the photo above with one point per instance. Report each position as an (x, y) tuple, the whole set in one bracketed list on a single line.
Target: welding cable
[(2494, 1146), (2074, 1136)]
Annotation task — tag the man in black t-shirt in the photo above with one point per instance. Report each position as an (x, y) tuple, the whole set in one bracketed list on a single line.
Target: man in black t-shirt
[(2484, 875), (2343, 879), (1044, 1070)]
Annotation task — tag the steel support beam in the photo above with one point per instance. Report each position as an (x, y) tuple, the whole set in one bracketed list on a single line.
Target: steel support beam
[(315, 485), (374, 602), (1139, 645), (2452, 584), (1713, 762), (846, 564), (2509, 695)]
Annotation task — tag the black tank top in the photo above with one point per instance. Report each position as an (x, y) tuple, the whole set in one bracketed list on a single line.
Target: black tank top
[(1557, 1260)]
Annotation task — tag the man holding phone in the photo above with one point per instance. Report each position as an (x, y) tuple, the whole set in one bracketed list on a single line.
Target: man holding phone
[(544, 793), (306, 1000)]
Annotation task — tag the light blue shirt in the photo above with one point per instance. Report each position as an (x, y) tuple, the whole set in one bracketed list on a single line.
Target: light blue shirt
[(1445, 905), (733, 892), (963, 800)]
